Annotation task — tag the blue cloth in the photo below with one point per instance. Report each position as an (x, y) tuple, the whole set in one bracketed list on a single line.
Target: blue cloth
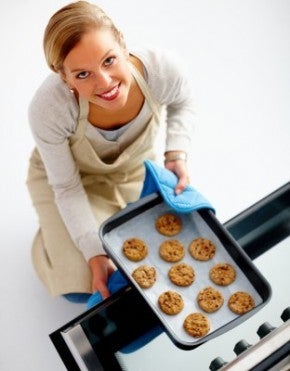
[(115, 282), (77, 297), (164, 181)]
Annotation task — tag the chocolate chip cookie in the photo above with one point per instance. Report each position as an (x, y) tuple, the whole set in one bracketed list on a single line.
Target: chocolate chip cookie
[(145, 276), (241, 302), (135, 249), (202, 249), (196, 324), (171, 250), (170, 302), (222, 274), (181, 274), (210, 299), (168, 224)]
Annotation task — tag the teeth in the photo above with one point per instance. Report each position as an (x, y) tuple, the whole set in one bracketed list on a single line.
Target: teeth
[(110, 93)]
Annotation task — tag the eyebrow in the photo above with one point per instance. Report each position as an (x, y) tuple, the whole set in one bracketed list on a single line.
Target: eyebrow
[(83, 69)]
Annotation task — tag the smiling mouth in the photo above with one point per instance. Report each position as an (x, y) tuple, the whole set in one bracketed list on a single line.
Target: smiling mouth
[(111, 94)]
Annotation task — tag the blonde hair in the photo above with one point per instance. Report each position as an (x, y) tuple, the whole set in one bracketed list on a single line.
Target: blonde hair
[(66, 27)]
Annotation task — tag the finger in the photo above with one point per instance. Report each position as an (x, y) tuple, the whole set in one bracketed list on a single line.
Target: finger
[(105, 293), (111, 270), (103, 290), (181, 185)]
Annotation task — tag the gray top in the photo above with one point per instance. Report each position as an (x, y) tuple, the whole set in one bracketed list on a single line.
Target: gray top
[(53, 118)]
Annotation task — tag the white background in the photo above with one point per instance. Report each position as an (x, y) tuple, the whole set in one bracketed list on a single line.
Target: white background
[(238, 61)]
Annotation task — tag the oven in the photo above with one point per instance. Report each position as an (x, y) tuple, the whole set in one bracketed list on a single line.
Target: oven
[(111, 337)]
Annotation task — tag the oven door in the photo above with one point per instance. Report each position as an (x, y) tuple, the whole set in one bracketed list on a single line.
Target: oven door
[(122, 332)]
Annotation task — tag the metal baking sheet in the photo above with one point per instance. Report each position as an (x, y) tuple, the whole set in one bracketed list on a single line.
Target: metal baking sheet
[(138, 220)]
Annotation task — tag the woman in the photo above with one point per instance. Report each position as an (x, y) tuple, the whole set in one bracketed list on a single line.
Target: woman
[(94, 121)]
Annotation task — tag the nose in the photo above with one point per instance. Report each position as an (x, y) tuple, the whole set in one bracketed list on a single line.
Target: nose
[(102, 79)]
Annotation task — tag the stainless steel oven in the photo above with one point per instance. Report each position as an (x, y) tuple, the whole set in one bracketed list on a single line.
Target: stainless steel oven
[(111, 337)]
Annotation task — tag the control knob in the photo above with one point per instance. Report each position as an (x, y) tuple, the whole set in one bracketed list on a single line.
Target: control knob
[(217, 363), (265, 329), (286, 314), (241, 346)]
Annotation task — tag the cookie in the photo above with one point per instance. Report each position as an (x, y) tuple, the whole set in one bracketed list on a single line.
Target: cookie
[(222, 274), (241, 302), (170, 302), (168, 224), (135, 249), (196, 324), (202, 249), (171, 250), (181, 274), (145, 276), (210, 299)]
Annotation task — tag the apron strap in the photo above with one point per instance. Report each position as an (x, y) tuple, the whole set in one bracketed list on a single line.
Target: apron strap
[(144, 88), (83, 115)]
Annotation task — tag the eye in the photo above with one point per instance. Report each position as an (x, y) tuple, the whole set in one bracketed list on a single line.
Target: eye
[(109, 61), (82, 75)]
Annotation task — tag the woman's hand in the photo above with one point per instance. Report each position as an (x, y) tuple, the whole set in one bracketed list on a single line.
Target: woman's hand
[(101, 268), (179, 168)]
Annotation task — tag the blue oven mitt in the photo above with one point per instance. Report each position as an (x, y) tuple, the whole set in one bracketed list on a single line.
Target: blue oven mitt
[(164, 181), (115, 282)]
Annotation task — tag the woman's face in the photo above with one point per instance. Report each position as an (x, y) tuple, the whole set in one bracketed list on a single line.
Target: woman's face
[(97, 69)]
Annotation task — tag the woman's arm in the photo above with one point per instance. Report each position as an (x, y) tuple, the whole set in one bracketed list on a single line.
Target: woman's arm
[(53, 115), (170, 86)]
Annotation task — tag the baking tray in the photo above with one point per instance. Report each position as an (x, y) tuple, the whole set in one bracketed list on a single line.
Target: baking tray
[(138, 220)]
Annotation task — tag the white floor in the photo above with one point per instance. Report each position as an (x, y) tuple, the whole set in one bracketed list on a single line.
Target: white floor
[(238, 59)]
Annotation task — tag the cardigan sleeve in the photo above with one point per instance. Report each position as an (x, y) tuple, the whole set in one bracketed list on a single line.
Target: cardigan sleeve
[(169, 84)]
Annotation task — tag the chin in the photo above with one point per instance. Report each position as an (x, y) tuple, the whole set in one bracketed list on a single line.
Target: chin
[(115, 105)]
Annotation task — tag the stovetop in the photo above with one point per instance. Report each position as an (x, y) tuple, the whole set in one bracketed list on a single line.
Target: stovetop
[(110, 337)]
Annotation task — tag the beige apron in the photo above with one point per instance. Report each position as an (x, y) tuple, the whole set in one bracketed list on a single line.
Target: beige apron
[(57, 261)]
